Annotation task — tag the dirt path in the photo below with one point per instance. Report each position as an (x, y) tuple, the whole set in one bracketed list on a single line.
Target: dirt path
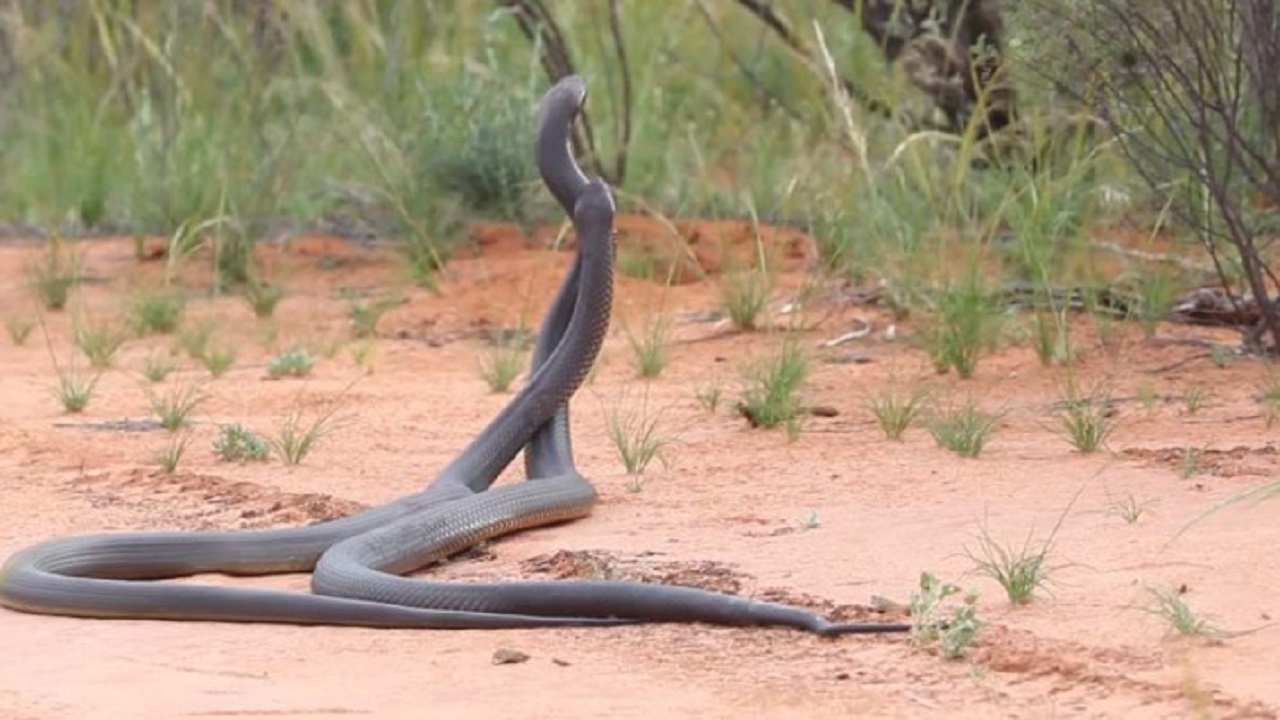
[(833, 517)]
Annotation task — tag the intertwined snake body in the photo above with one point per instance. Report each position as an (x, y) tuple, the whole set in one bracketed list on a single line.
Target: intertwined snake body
[(357, 561)]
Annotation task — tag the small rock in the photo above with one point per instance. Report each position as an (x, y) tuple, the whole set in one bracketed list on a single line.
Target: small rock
[(842, 676), (507, 656), (561, 663)]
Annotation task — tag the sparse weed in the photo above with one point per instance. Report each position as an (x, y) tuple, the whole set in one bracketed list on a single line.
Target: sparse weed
[(294, 442), (896, 411), (1222, 356), (635, 437), (19, 329), (99, 344), (158, 368), (236, 443), (171, 455), (745, 294), (54, 276), (651, 348), (74, 390), (961, 330), (1051, 335), (1193, 402), (365, 315), (362, 354), (501, 365), (964, 431), (1087, 421), (1128, 508), (292, 363), (1174, 609), (158, 313), (772, 388), (195, 340), (174, 407), (1021, 571), (263, 297), (219, 361), (709, 398), (955, 634), (1147, 396)]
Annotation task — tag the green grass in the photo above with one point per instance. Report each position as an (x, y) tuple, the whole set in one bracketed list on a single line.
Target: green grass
[(364, 315), (236, 443), (158, 367), (745, 295), (651, 348), (502, 363), (635, 436), (961, 329), (771, 392), (963, 430), (896, 410), (709, 398), (1174, 610), (217, 361), (75, 389), (1087, 421), (99, 343), (263, 297), (174, 407), (172, 453), (1021, 570), (19, 329), (157, 313), (54, 275), (294, 441), (291, 363), (1268, 395)]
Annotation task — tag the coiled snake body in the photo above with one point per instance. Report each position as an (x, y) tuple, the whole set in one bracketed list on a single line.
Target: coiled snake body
[(357, 560)]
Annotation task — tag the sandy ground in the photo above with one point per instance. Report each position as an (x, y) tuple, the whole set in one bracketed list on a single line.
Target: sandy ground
[(833, 517)]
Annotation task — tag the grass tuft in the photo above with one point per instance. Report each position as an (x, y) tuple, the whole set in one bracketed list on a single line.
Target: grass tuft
[(964, 431), (896, 411), (745, 294), (171, 455), (1087, 421), (635, 437), (236, 443), (19, 329), (294, 442), (771, 395), (158, 313), (175, 407), (293, 363), (651, 349)]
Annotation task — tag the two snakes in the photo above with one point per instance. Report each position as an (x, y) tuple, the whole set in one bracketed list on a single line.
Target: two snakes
[(358, 562)]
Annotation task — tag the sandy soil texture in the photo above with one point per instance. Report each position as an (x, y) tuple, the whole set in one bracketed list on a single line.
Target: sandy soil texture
[(829, 519)]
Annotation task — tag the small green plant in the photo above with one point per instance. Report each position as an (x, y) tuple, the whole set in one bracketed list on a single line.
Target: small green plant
[(964, 431), (1147, 396), (651, 348), (635, 437), (1021, 571), (956, 633), (54, 276), (745, 294), (961, 329), (1171, 606), (362, 354), (895, 411), (74, 390), (1193, 401), (19, 329), (236, 443), (99, 344), (293, 363), (1087, 421), (195, 340), (174, 407), (158, 368), (294, 442), (365, 315), (1050, 332), (709, 398), (158, 313), (218, 361), (1128, 509), (263, 297), (501, 365), (771, 396), (173, 452)]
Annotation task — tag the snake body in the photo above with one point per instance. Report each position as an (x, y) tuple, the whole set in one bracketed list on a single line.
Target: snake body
[(357, 561)]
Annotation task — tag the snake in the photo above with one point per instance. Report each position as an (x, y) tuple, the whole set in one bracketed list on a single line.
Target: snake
[(358, 562)]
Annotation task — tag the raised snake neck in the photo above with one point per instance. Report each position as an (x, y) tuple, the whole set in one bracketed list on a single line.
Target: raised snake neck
[(354, 558)]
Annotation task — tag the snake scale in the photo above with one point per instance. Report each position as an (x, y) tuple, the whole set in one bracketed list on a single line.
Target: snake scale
[(357, 562)]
